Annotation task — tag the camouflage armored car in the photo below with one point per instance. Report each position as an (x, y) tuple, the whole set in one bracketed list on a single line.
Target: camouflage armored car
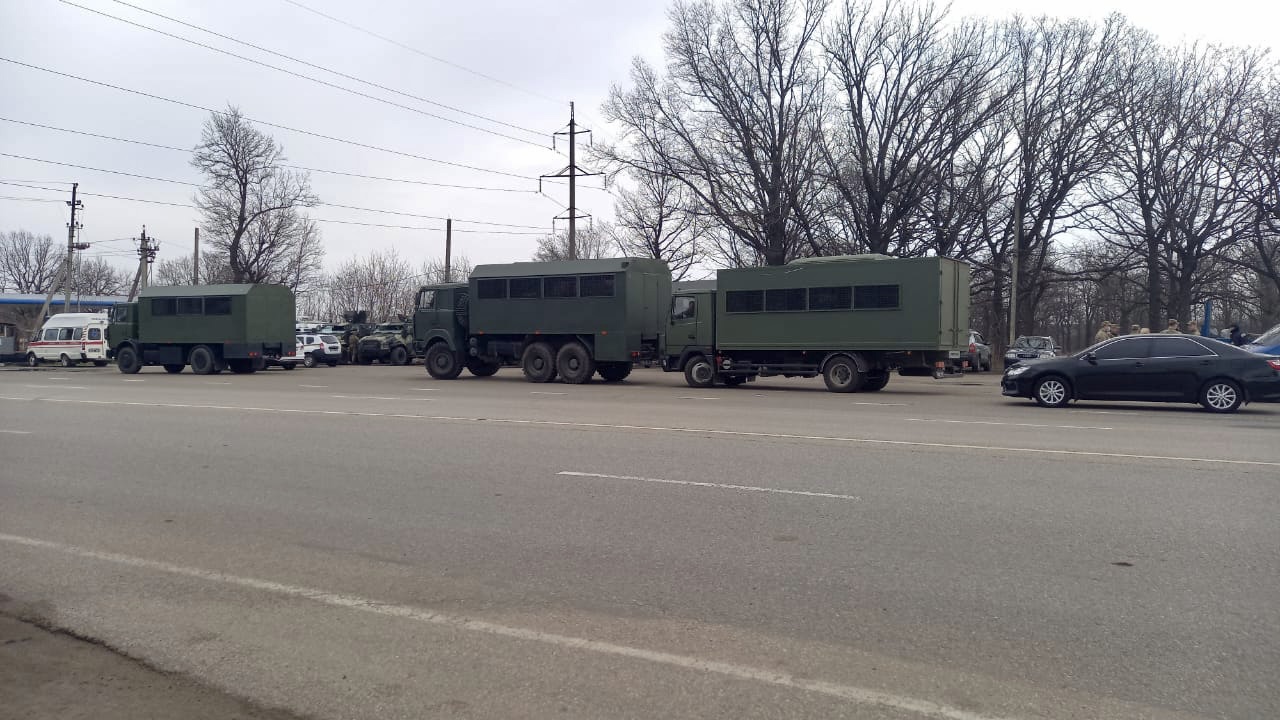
[(388, 343)]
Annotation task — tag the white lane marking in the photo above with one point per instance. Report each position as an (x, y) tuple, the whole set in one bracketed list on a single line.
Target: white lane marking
[(363, 397), (134, 380), (15, 432), (426, 389), (58, 378), (720, 486), (1009, 424), (851, 693), (673, 430), (692, 397), (218, 382), (879, 404), (545, 392), (55, 387), (314, 386)]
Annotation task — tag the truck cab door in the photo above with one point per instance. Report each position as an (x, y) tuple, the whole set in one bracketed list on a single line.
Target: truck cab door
[(685, 328)]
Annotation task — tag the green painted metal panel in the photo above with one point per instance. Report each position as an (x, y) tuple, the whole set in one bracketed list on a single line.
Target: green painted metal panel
[(245, 314)]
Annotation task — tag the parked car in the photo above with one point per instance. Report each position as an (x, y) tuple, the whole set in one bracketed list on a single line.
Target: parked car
[(317, 349), (389, 343), (1268, 343), (70, 339), (978, 355), (1029, 347), (1150, 368)]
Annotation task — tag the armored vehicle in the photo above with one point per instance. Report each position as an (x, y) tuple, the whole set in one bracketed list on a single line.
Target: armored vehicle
[(210, 327), (568, 319), (851, 319), (388, 343)]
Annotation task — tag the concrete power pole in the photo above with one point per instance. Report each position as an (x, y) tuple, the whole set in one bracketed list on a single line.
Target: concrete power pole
[(147, 249), (448, 250), (64, 276), (195, 260), (572, 172)]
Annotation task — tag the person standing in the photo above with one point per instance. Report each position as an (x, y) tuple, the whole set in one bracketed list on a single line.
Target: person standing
[(1104, 333), (1171, 328), (1135, 329), (1192, 328), (1237, 337)]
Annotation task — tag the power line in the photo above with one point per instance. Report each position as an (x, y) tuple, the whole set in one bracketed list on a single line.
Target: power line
[(101, 170), (353, 143), (434, 229), (187, 151), (29, 199), (319, 81), (427, 55), (327, 69)]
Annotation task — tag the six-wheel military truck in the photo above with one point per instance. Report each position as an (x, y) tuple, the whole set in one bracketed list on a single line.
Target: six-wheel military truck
[(851, 319), (209, 327), (569, 319), (388, 343)]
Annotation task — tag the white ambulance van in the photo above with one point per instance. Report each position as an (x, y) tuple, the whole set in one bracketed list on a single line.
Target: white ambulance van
[(70, 339)]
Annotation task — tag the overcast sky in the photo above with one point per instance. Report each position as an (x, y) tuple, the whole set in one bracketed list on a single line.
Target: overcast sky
[(539, 55)]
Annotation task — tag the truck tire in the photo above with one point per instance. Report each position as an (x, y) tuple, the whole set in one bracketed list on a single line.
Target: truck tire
[(399, 355), (538, 363), (612, 372), (443, 363), (574, 363), (699, 372), (482, 368), (173, 368), (127, 360), (876, 381), (202, 360), (842, 375)]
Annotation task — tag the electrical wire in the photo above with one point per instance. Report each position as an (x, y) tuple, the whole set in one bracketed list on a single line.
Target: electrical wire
[(319, 81), (327, 69), (264, 123)]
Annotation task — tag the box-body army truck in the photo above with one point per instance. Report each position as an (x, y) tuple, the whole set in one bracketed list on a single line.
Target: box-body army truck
[(851, 319), (209, 327), (568, 319)]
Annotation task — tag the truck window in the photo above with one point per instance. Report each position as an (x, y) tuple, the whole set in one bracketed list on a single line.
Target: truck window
[(95, 333), (220, 305), (875, 297), (191, 306), (120, 313), (744, 301), (683, 307), (560, 287), (597, 286), (785, 300), (491, 289), (830, 298), (526, 288), (428, 300), (164, 306)]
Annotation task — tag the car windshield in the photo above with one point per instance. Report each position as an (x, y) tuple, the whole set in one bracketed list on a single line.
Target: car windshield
[(388, 328), (330, 339), (1270, 337), (1033, 343)]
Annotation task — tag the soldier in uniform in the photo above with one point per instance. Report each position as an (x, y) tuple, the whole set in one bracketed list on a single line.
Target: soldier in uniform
[(1192, 328), (1135, 329), (1171, 328), (1104, 333)]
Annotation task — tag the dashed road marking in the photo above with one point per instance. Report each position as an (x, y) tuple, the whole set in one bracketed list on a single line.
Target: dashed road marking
[(314, 386), (545, 392), (720, 486), (363, 397), (55, 387), (694, 397), (675, 430), (1009, 424), (774, 677), (15, 432)]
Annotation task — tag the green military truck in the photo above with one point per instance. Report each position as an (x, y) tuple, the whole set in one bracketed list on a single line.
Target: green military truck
[(568, 319), (851, 319), (209, 327)]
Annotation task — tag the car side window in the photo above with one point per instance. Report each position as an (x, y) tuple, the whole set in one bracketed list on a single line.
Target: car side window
[(1135, 348), (50, 334), (95, 334), (1172, 347)]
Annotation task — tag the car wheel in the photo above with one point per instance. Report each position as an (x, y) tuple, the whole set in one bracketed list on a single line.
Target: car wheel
[(699, 373), (309, 361), (1221, 396), (32, 360), (539, 363), (399, 355), (66, 362), (443, 363), (1051, 392)]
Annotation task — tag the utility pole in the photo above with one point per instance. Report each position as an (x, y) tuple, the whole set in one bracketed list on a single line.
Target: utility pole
[(147, 249), (572, 172), (195, 260), (448, 249), (1017, 250), (72, 246)]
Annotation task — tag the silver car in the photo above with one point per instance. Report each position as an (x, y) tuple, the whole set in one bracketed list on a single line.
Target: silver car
[(1029, 347)]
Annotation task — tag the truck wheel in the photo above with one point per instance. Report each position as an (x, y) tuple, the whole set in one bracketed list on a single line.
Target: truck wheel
[(443, 363), (482, 368), (127, 360), (574, 363), (309, 361), (699, 373), (32, 360), (842, 375), (876, 381), (174, 368), (539, 363), (202, 360), (399, 356), (613, 371)]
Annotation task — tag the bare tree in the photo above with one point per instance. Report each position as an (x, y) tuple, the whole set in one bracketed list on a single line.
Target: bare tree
[(252, 206), (433, 273), (29, 263), (214, 269), (653, 220), (381, 283), (735, 120), (96, 276), (592, 243)]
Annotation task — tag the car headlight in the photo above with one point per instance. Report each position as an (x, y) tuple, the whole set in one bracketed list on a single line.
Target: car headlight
[(1047, 353), (1011, 356), (1015, 372)]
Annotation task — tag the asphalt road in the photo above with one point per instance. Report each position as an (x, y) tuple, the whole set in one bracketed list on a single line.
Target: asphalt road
[(371, 543)]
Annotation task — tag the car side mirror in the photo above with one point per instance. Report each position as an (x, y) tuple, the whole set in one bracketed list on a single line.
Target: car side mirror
[(1093, 359)]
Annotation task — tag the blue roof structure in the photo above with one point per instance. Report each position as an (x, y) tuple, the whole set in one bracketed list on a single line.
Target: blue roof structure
[(81, 301)]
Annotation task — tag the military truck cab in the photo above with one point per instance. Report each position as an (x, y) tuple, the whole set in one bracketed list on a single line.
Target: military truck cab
[(852, 320)]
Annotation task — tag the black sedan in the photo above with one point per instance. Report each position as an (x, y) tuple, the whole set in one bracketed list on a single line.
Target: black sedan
[(1150, 368)]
